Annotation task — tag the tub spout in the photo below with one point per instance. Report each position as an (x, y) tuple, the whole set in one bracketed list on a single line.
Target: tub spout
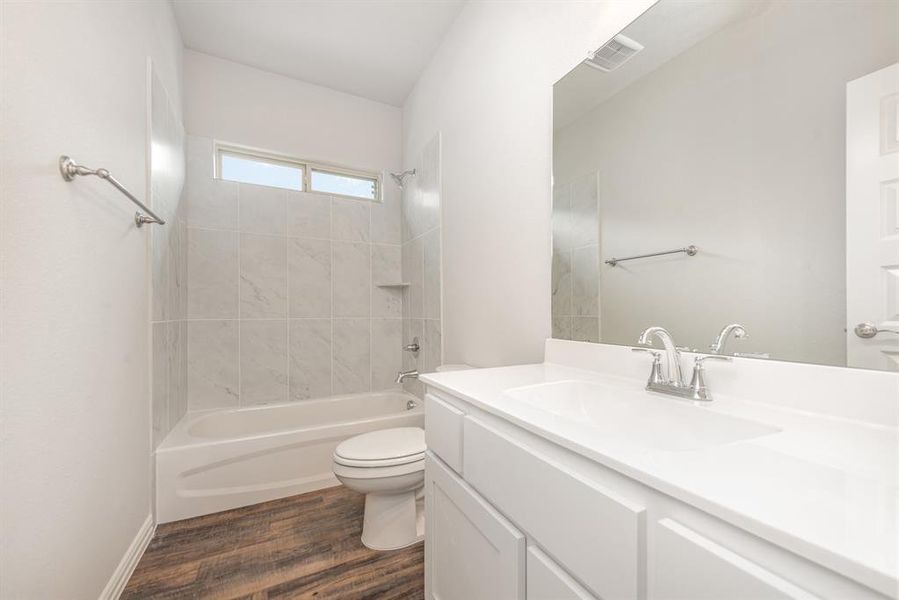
[(404, 375)]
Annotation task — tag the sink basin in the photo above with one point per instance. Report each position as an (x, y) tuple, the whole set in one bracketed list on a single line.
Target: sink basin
[(638, 419)]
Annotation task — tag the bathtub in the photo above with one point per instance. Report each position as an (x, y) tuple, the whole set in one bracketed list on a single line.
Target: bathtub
[(219, 459)]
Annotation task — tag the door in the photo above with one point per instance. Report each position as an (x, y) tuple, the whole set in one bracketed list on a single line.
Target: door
[(471, 551), (872, 220)]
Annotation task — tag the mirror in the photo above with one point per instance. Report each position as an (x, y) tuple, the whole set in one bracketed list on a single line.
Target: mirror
[(751, 146)]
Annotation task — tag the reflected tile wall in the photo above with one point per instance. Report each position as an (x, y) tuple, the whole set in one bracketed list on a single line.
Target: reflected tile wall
[(421, 265), (282, 291), (576, 260)]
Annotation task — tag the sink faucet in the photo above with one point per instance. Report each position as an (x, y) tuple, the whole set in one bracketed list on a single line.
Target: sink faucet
[(404, 375), (672, 354), (734, 329), (673, 382)]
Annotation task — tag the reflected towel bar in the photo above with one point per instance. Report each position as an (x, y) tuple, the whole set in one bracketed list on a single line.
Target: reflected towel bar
[(69, 169), (689, 251)]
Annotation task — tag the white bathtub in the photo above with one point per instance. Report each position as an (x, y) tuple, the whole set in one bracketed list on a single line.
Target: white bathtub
[(225, 458)]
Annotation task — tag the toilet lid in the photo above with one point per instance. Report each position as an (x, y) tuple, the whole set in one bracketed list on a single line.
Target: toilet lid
[(395, 446)]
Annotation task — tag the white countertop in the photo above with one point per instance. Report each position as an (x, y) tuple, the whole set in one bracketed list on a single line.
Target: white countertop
[(826, 488)]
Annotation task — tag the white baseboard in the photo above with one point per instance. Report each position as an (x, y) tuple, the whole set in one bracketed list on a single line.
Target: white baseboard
[(122, 574)]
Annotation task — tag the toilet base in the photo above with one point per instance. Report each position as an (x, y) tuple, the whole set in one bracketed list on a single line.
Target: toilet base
[(393, 521)]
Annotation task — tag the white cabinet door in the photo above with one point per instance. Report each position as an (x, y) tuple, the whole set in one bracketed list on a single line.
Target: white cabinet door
[(548, 581), (472, 552), (685, 565)]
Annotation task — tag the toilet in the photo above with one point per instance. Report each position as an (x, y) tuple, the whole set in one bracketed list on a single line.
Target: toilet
[(388, 466)]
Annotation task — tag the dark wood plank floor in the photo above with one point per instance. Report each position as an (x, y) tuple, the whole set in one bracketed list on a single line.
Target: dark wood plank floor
[(304, 546)]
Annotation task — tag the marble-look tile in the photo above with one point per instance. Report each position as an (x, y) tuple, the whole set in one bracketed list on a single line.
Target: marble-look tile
[(263, 209), (177, 259), (263, 276), (160, 275), (387, 350), (182, 267), (211, 202), (351, 284), (351, 352), (561, 327), (212, 364), (413, 274), (585, 281), (160, 377), (431, 274), (309, 215), (584, 211), (178, 372), (561, 282), (413, 328), (385, 217), (212, 274), (310, 277), (350, 220), (585, 329), (310, 358), (263, 361), (429, 183), (386, 267), (431, 349), (561, 217)]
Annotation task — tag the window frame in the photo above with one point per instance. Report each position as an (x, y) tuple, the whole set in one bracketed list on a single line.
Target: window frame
[(307, 166)]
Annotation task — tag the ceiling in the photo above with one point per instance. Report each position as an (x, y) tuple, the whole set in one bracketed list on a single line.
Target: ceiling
[(371, 48), (665, 30)]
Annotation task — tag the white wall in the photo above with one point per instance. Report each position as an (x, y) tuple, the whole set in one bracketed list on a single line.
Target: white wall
[(488, 91), (728, 148), (75, 425)]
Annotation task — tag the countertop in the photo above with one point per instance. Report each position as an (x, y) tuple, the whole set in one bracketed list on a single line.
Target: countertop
[(823, 487)]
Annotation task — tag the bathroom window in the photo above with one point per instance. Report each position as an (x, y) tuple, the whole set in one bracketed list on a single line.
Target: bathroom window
[(246, 165)]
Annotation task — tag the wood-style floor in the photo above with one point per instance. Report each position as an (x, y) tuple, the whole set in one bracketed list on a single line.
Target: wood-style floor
[(304, 546)]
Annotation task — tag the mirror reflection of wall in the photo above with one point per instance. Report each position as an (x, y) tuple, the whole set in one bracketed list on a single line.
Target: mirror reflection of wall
[(726, 131)]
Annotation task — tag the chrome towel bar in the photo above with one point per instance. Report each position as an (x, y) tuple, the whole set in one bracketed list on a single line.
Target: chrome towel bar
[(69, 169), (689, 251)]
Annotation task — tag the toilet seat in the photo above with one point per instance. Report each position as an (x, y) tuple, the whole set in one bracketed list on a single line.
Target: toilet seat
[(383, 449)]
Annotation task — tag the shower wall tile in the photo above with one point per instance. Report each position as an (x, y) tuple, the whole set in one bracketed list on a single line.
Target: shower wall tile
[(309, 215), (263, 276), (431, 348), (413, 274), (413, 328), (309, 273), (279, 293), (351, 285), (585, 329), (263, 209), (584, 213), (212, 362), (211, 203), (263, 361), (310, 358), (561, 328), (350, 220), (386, 267), (431, 274), (212, 274), (386, 225), (561, 218), (177, 386), (160, 376), (386, 339), (351, 352)]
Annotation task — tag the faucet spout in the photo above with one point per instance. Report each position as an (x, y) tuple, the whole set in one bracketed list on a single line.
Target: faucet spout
[(672, 354), (404, 375), (734, 329)]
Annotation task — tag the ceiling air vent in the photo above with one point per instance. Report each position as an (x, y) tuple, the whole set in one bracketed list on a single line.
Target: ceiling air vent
[(613, 54)]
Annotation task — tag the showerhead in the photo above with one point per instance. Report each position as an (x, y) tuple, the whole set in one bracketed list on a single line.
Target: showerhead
[(399, 178)]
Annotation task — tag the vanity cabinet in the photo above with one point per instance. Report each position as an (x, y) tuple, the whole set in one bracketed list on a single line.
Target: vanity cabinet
[(475, 553), (513, 515)]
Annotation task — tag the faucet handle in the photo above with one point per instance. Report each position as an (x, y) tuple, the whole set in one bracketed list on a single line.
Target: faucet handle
[(701, 359), (698, 389), (655, 376)]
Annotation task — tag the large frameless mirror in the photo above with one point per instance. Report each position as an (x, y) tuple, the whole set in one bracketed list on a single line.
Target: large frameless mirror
[(734, 163)]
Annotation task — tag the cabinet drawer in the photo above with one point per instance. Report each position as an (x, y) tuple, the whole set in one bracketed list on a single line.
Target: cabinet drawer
[(597, 535), (443, 431), (473, 552), (689, 566), (547, 580)]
